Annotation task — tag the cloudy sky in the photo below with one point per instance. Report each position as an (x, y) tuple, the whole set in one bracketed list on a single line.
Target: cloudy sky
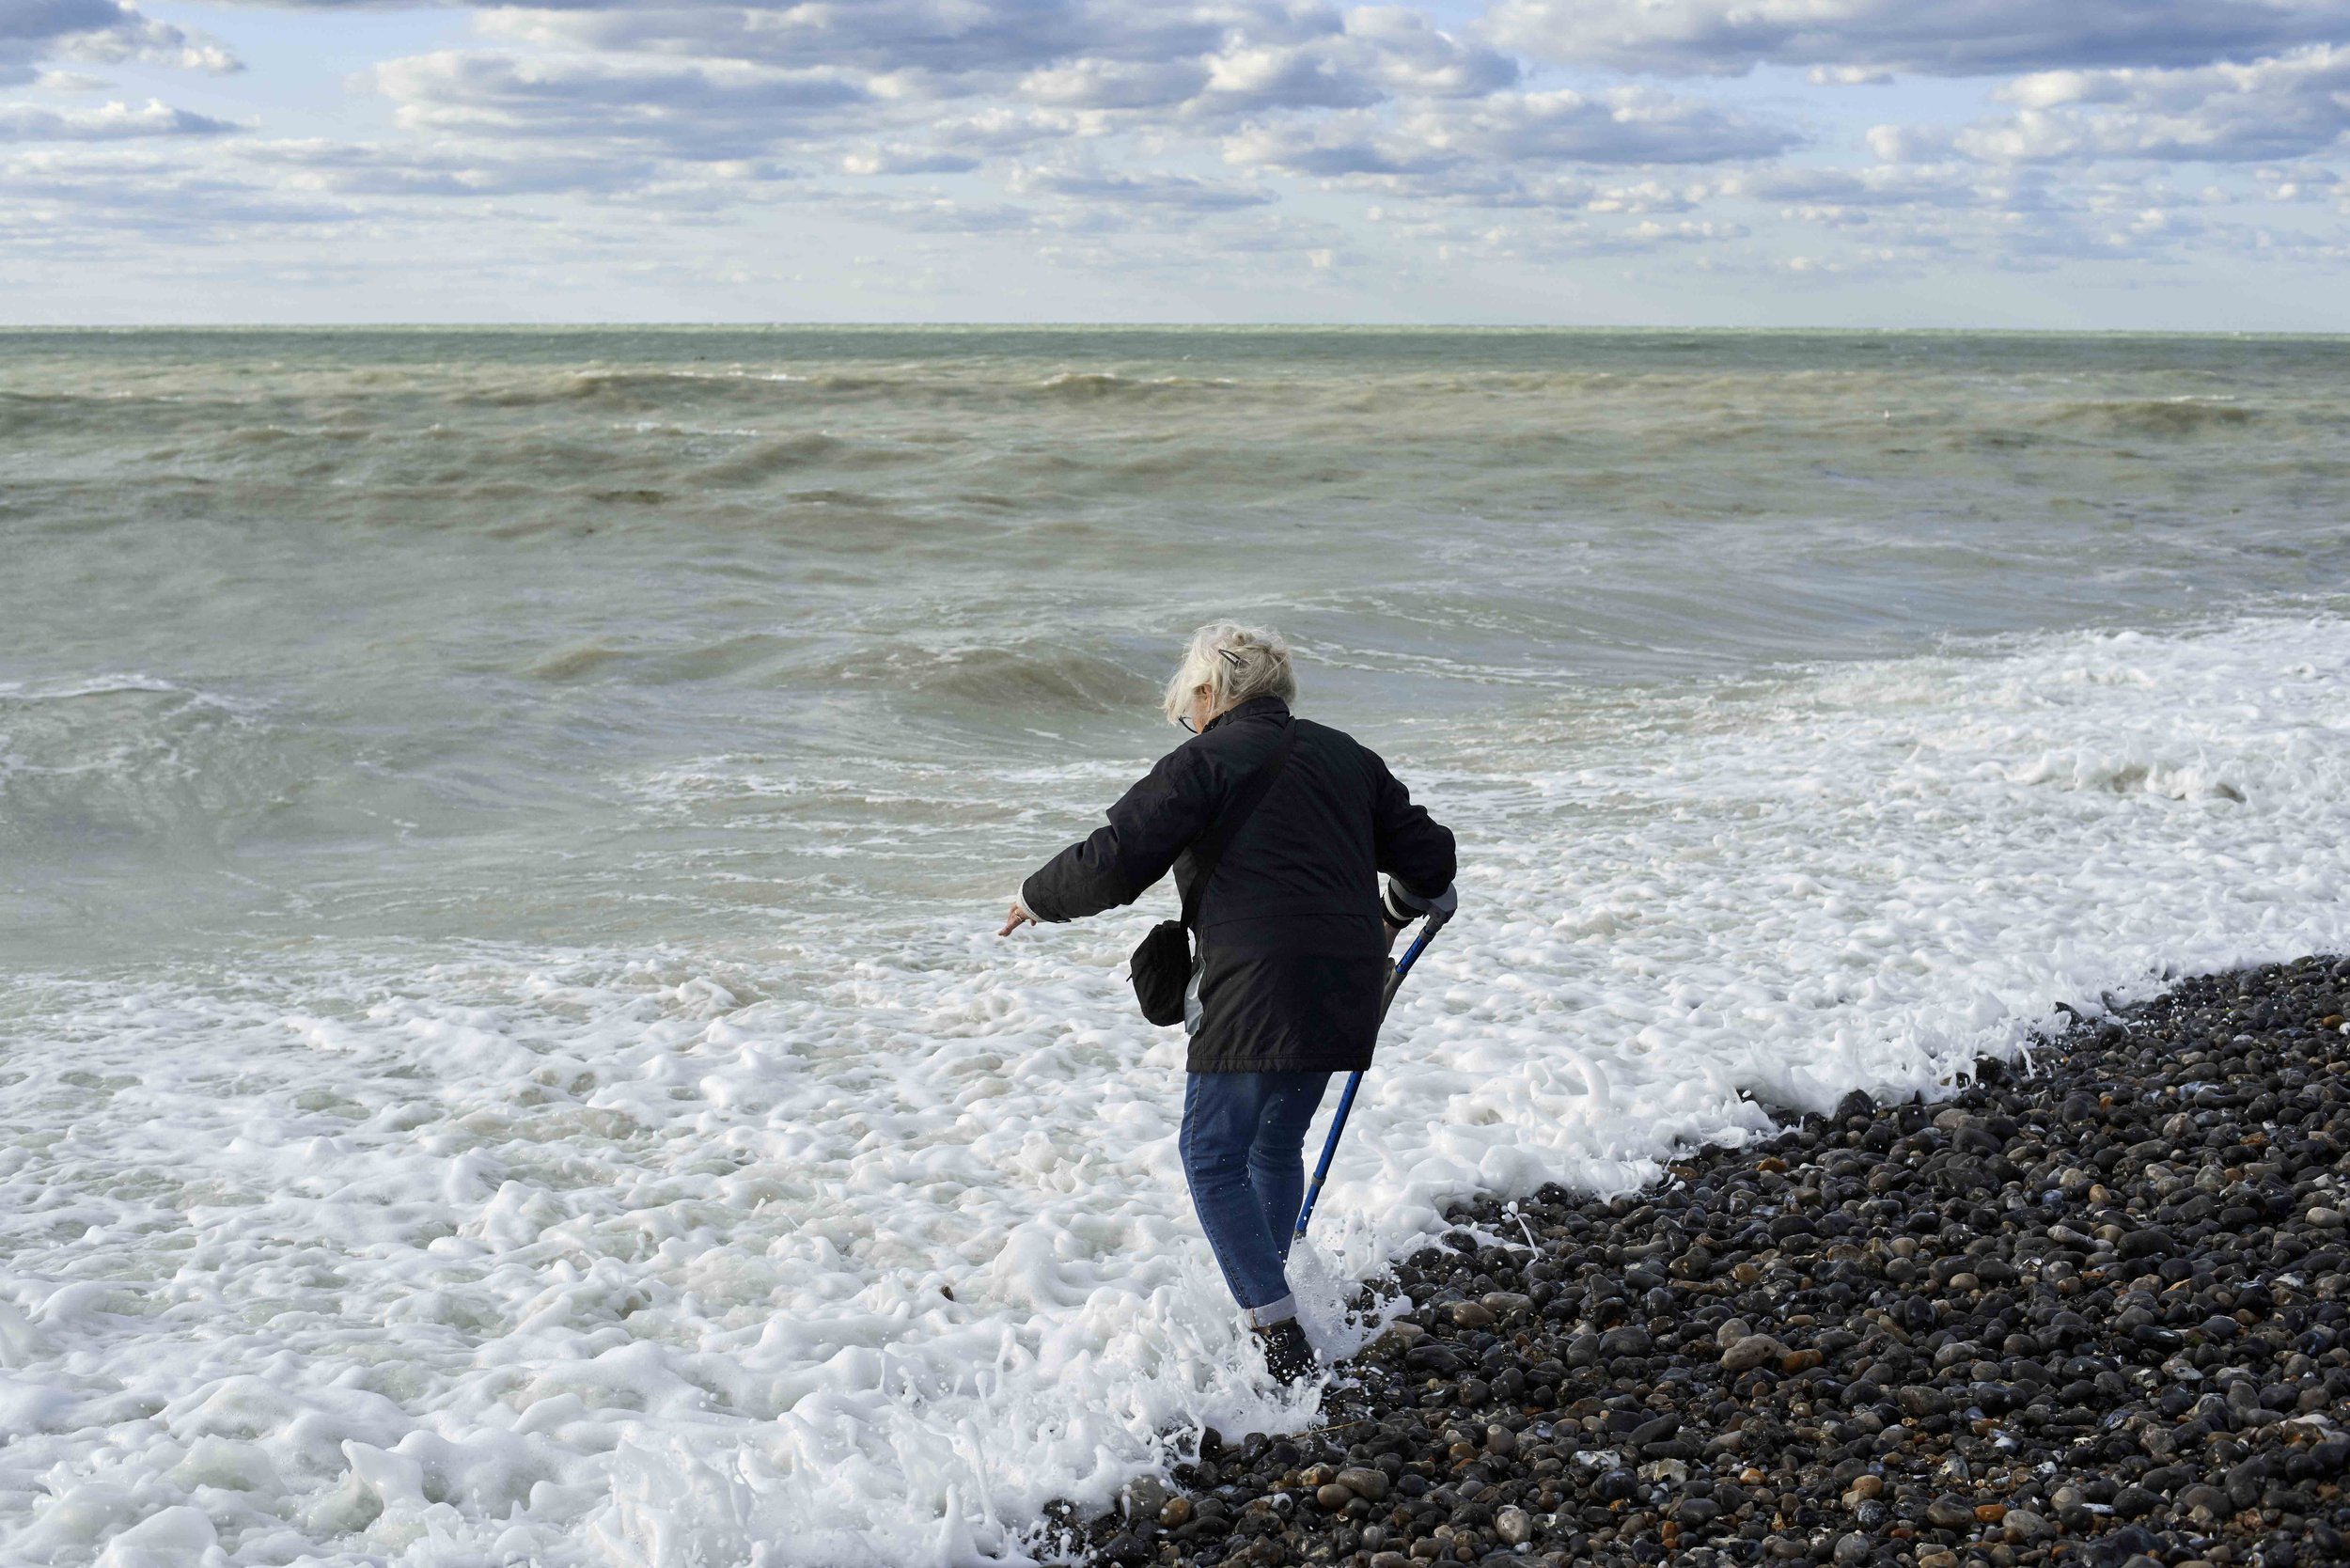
[(2148, 163)]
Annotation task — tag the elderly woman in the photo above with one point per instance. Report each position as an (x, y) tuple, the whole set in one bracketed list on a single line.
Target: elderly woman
[(1292, 935)]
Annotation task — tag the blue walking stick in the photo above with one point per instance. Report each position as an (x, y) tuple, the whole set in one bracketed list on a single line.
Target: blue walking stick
[(1438, 913)]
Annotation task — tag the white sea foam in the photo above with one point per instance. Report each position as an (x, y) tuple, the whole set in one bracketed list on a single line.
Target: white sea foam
[(861, 1249), (95, 686)]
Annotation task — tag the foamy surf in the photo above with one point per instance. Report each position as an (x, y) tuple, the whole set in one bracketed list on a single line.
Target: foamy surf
[(863, 1248)]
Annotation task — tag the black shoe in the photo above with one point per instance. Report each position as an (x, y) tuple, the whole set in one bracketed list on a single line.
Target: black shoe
[(1287, 1355)]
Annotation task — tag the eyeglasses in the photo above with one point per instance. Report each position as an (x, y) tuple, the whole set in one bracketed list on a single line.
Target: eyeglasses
[(1228, 657)]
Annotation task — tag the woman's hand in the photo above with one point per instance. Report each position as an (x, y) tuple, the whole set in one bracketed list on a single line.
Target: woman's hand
[(1017, 918)]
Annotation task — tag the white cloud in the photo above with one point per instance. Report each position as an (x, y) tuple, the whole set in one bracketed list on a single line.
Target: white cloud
[(105, 32), (1847, 76), (1909, 144), (1091, 132), (1879, 187), (362, 169), (1331, 148), (1623, 125), (29, 123), (1340, 61), (1254, 79), (1951, 38), (937, 214), (699, 110), (1002, 128), (95, 198), (1142, 59), (1552, 240), (1094, 83), (1411, 57), (1513, 134), (948, 39), (905, 159), (858, 89), (1185, 191), (2301, 182), (2297, 105)]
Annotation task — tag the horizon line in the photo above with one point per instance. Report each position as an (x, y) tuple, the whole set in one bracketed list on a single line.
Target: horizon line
[(1171, 325)]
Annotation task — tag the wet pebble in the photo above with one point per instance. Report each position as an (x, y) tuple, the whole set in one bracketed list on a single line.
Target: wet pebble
[(2093, 1314)]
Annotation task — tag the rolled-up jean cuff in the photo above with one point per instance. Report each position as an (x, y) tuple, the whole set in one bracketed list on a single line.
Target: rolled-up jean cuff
[(1273, 1313)]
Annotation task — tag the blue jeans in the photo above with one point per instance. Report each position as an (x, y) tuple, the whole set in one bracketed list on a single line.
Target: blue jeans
[(1242, 1142)]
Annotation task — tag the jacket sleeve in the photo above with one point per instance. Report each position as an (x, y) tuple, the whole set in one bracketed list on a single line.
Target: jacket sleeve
[(1151, 824), (1412, 846)]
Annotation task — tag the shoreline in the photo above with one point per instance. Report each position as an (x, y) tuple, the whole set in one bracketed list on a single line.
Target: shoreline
[(2093, 1313)]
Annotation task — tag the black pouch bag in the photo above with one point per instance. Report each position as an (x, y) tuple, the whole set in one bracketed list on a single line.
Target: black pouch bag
[(1162, 965)]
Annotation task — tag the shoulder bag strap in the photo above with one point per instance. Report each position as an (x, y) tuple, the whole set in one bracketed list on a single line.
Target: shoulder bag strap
[(1211, 850)]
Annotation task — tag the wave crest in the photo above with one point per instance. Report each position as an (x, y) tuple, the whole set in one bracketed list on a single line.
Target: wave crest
[(1027, 678), (2155, 416)]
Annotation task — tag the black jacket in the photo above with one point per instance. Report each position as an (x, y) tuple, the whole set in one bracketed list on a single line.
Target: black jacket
[(1295, 952)]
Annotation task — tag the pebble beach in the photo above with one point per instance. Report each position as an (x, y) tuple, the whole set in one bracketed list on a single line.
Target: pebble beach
[(2089, 1308)]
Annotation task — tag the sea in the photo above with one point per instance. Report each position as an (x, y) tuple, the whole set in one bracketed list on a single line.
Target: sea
[(505, 1055)]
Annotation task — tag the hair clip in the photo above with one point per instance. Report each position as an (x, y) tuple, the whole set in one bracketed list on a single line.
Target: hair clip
[(1227, 654)]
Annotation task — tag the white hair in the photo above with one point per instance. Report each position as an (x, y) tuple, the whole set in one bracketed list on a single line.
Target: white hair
[(1235, 663)]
